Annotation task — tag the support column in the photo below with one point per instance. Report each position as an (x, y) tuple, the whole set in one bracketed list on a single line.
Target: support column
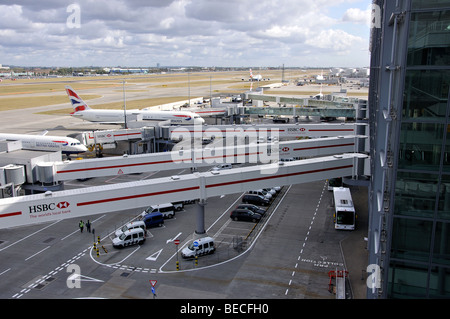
[(200, 227)]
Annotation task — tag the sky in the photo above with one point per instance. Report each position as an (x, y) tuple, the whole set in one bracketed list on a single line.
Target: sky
[(231, 33)]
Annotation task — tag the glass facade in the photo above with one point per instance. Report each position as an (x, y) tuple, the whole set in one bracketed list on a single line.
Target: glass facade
[(419, 264)]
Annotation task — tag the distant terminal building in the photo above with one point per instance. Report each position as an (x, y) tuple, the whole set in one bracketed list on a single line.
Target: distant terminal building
[(126, 71)]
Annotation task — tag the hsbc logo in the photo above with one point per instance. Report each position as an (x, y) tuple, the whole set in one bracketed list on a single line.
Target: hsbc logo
[(285, 149), (63, 205), (48, 207), (295, 129)]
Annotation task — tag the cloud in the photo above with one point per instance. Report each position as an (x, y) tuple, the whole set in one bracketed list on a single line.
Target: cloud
[(356, 15), (181, 32)]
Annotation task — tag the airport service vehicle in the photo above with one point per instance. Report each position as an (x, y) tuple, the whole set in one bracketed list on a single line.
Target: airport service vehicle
[(252, 208), (245, 215), (199, 247), (255, 199), (344, 214), (153, 220), (66, 145), (130, 226), (130, 237), (82, 111), (167, 210)]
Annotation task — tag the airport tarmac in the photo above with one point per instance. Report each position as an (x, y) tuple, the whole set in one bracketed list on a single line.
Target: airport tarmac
[(290, 257), (293, 250)]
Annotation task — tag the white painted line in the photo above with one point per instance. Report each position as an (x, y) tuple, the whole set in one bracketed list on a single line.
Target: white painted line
[(4, 272), (38, 252), (16, 242), (154, 256), (172, 239)]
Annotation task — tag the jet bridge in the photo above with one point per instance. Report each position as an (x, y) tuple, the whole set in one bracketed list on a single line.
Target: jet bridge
[(25, 210), (263, 153), (297, 130)]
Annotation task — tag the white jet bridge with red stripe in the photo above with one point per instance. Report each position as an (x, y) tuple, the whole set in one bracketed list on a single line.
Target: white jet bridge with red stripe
[(199, 157), (283, 130), (25, 210)]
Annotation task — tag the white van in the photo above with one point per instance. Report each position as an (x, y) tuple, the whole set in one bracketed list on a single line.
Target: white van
[(199, 247), (167, 210), (130, 237), (129, 226)]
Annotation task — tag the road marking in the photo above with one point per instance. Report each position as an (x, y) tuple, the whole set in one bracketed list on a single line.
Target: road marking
[(171, 240), (16, 242), (154, 256), (83, 278), (77, 231), (1, 273), (306, 237), (38, 253)]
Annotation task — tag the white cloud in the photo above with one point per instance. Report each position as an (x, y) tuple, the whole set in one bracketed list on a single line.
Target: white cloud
[(183, 32), (357, 15)]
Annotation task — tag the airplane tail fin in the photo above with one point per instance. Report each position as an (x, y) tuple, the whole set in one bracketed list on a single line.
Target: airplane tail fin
[(77, 102)]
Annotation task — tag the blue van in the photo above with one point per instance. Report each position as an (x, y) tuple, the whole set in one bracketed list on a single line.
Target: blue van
[(153, 220)]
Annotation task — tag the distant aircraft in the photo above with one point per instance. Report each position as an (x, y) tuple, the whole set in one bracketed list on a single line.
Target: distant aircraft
[(320, 77), (255, 78), (66, 145), (320, 95), (82, 111)]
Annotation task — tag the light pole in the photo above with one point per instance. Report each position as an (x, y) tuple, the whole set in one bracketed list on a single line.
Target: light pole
[(124, 106)]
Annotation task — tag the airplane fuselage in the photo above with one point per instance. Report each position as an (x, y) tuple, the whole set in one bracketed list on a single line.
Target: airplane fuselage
[(116, 116), (66, 145)]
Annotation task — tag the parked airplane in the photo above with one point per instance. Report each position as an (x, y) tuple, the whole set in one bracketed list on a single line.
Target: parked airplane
[(82, 111), (66, 145)]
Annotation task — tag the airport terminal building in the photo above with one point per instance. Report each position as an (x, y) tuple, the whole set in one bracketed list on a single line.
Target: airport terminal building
[(409, 202)]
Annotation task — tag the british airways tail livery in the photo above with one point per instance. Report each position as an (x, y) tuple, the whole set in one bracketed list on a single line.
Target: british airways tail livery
[(66, 145), (82, 111)]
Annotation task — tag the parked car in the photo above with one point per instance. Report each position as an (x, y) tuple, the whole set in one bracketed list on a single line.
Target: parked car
[(261, 192), (255, 199), (253, 208), (245, 215), (222, 167), (178, 206), (153, 220), (271, 191), (277, 188)]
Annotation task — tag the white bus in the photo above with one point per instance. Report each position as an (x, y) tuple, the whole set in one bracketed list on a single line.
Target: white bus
[(344, 211)]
